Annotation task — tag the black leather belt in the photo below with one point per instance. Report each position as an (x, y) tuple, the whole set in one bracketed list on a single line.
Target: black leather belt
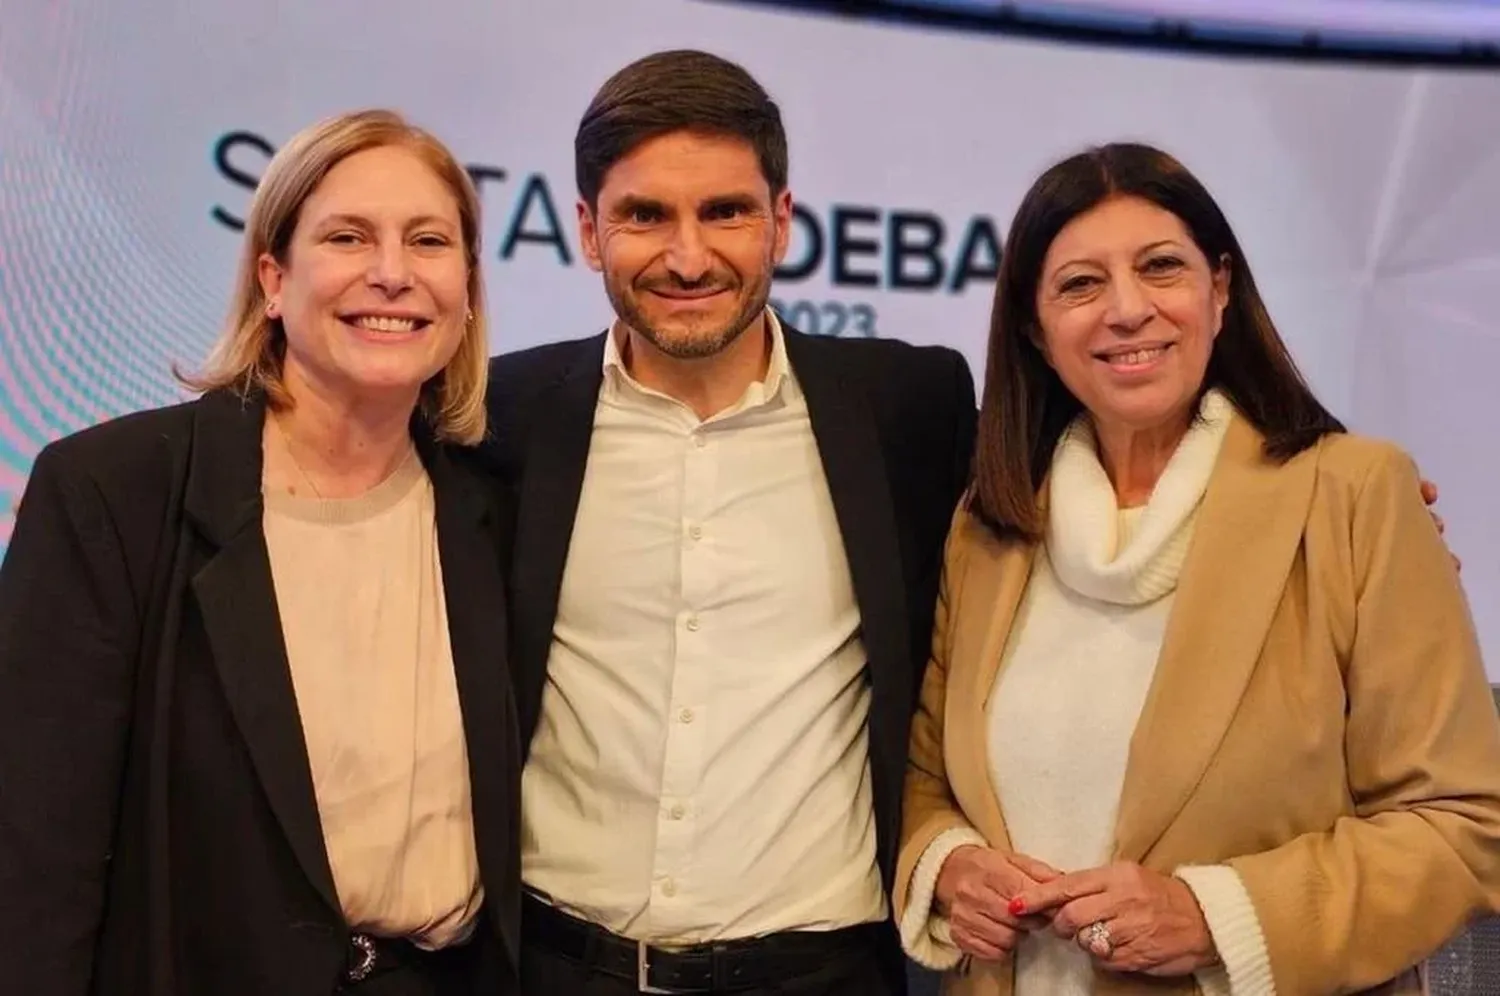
[(722, 967)]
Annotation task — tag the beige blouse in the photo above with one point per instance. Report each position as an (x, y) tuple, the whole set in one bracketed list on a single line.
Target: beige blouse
[(360, 590)]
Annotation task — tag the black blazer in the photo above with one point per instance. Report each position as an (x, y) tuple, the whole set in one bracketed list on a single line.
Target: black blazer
[(159, 835), (894, 425)]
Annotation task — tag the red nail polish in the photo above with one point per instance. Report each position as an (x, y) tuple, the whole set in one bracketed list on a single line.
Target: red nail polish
[(1018, 907)]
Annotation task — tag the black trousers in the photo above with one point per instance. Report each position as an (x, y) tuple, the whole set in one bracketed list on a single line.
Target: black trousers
[(447, 976), (478, 968), (544, 973)]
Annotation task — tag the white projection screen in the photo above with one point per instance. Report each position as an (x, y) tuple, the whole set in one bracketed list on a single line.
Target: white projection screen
[(1367, 194)]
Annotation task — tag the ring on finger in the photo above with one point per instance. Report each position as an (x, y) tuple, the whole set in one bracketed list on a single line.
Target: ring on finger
[(1096, 940)]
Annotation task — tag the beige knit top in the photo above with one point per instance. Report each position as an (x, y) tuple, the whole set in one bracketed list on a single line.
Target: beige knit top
[(360, 591)]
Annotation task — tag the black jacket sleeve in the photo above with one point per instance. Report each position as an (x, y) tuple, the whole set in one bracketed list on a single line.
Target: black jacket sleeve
[(68, 646)]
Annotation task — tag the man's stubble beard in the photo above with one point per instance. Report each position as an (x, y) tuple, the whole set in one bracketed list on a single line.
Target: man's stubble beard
[(695, 346)]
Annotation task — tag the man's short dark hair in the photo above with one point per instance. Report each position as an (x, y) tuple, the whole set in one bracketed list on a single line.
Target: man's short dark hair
[(680, 90)]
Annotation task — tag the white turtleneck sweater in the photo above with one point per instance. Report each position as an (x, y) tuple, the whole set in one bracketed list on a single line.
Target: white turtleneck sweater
[(1078, 665)]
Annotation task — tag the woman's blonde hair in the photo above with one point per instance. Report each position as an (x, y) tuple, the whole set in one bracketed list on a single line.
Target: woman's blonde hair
[(250, 352)]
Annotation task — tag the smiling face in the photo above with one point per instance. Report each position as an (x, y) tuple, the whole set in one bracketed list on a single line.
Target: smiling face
[(687, 234), (1129, 308), (372, 293)]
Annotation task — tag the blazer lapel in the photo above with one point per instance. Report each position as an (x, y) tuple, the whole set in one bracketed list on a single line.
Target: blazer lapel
[(995, 576), (854, 465), (237, 600), (1247, 535), (474, 593), (556, 458)]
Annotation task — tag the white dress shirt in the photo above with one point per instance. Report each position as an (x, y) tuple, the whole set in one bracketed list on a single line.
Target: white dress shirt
[(700, 770)]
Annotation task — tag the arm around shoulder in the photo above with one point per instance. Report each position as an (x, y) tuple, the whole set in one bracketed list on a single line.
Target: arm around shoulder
[(1353, 906)]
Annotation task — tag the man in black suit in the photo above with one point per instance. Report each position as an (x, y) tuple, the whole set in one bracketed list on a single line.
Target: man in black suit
[(727, 553)]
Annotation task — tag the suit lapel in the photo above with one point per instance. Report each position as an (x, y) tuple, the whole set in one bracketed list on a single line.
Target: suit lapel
[(853, 459), (1248, 532), (237, 600), (556, 457), (995, 576), (474, 596)]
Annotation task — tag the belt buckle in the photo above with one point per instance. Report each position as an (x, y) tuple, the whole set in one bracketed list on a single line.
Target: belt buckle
[(362, 963), (643, 970)]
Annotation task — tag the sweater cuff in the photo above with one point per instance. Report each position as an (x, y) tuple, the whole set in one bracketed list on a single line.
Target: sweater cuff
[(1226, 905), (924, 934)]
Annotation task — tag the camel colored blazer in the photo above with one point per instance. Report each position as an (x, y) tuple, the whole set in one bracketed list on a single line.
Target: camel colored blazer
[(1319, 719)]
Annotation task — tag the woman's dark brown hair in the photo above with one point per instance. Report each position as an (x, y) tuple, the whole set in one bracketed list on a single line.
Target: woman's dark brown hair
[(1026, 408)]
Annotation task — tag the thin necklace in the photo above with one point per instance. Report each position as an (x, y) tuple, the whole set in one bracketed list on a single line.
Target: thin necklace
[(286, 443)]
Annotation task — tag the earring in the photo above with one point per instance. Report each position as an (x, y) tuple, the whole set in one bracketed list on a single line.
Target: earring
[(469, 318), (271, 311)]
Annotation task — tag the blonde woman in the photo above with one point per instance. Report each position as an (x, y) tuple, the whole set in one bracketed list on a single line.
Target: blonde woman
[(250, 644)]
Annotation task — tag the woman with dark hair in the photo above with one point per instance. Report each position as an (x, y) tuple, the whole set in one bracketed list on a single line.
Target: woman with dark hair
[(1205, 700)]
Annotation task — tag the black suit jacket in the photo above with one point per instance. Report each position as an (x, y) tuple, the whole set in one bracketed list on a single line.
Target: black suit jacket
[(159, 834), (894, 425)]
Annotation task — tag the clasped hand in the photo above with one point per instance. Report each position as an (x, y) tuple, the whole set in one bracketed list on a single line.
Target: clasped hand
[(1154, 925), (974, 891)]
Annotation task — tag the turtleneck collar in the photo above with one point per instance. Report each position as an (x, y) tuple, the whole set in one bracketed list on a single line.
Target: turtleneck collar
[(1131, 557)]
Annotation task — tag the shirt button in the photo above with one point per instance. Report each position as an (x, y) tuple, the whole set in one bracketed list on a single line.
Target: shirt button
[(686, 715), (677, 812), (700, 442), (692, 624), (669, 888), (696, 532)]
